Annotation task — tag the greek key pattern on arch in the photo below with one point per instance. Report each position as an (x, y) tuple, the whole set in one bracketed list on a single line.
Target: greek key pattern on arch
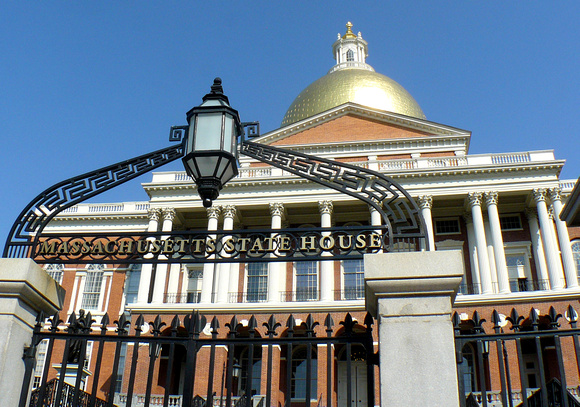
[(65, 194), (399, 210)]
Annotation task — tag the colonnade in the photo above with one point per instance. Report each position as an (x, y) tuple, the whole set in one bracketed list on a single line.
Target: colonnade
[(549, 239)]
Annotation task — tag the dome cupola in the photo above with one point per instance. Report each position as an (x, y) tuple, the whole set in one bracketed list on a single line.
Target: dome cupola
[(352, 80)]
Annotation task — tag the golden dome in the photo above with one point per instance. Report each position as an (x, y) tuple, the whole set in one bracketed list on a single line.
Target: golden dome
[(359, 86)]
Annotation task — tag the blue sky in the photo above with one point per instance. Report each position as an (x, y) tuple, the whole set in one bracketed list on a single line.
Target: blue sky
[(87, 84)]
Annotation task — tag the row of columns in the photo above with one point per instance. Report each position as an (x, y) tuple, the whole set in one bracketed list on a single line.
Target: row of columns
[(221, 279), (487, 246)]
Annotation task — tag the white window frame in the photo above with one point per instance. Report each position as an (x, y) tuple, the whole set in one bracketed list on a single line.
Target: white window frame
[(505, 215), (82, 289), (453, 218), (56, 271), (520, 249), (263, 294), (317, 274), (575, 247), (192, 269), (356, 288)]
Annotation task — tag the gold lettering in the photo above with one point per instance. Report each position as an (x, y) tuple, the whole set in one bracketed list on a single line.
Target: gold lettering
[(143, 246), (243, 242), (341, 243), (75, 247), (229, 246), (47, 248), (309, 245), (375, 241), (98, 248), (196, 243), (108, 248), (179, 246), (155, 246), (210, 245), (125, 246), (285, 244), (270, 243), (63, 248), (360, 241), (167, 247), (327, 242), (257, 246)]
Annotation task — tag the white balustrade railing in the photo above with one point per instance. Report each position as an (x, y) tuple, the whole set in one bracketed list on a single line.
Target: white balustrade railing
[(106, 208), (567, 185), (510, 158), (255, 172)]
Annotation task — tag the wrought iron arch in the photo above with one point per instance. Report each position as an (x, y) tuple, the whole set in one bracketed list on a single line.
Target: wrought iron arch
[(398, 209)]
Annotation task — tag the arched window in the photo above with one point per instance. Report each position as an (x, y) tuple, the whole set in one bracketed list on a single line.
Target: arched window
[(467, 369), (350, 55), (299, 369), (93, 283), (55, 271), (576, 254), (256, 371)]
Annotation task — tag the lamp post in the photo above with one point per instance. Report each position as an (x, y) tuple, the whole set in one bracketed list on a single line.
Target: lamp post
[(211, 146)]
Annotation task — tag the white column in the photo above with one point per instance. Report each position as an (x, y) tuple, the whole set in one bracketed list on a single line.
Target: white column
[(207, 288), (275, 268), (564, 239), (223, 290), (538, 247), (475, 280), (497, 239), (376, 218), (474, 202), (146, 270), (552, 257), (326, 267), (168, 215), (426, 203), (490, 255), (556, 244)]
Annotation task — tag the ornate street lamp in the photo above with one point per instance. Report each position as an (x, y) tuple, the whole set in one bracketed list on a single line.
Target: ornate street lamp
[(211, 149)]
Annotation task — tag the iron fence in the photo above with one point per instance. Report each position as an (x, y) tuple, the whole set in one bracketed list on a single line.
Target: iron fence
[(245, 365), (528, 362)]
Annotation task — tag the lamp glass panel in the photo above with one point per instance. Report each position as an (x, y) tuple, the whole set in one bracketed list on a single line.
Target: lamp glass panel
[(228, 131), (190, 164), (228, 174), (208, 132), (206, 165)]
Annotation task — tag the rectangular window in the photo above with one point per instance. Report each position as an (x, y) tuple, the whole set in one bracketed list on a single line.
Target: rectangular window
[(40, 360), (306, 281), (132, 285), (194, 282), (447, 226), (510, 222), (257, 288), (353, 275), (55, 271), (92, 291)]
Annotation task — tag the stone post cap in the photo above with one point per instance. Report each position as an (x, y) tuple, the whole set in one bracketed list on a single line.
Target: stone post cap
[(412, 274), (26, 281)]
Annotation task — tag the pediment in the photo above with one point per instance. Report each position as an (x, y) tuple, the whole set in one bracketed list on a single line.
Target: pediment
[(350, 123)]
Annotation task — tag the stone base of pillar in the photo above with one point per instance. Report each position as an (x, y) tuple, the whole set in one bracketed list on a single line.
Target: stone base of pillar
[(25, 289), (411, 295)]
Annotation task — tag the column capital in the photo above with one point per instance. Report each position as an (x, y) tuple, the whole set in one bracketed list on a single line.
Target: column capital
[(551, 213), (474, 199), (154, 214), (229, 211), (555, 194), (213, 212), (168, 214), (276, 209), (425, 201), (539, 195), (325, 207), (491, 198)]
